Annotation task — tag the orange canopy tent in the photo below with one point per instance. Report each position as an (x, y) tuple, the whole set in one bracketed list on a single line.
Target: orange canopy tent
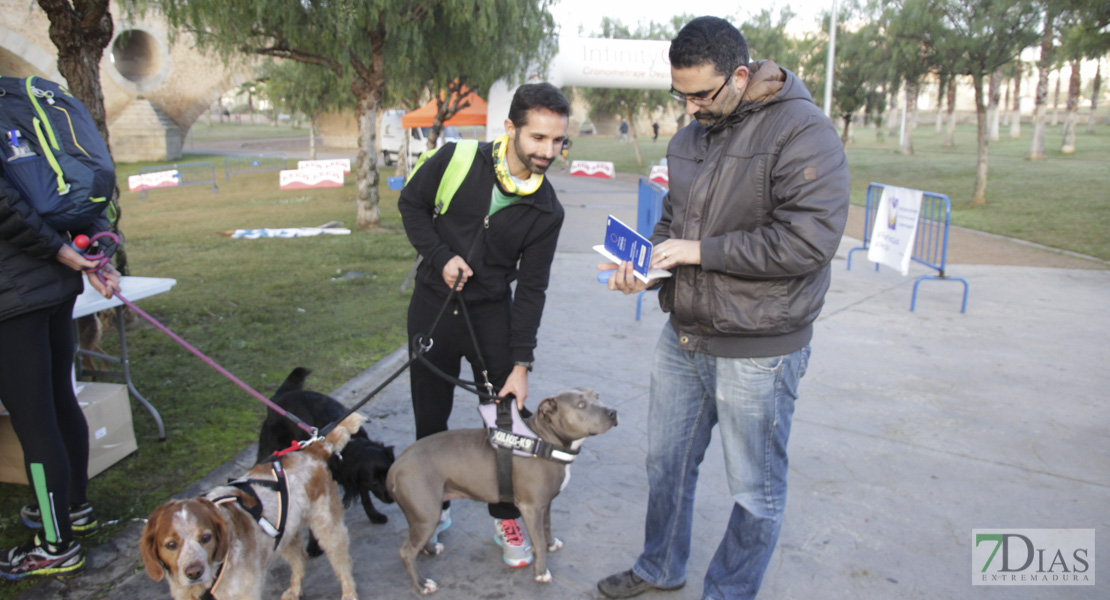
[(475, 114)]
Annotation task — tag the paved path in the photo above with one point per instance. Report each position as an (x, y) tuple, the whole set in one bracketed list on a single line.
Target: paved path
[(913, 429)]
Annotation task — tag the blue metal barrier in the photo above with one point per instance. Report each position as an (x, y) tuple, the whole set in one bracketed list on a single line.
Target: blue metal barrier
[(649, 207), (258, 163), (197, 173), (930, 247)]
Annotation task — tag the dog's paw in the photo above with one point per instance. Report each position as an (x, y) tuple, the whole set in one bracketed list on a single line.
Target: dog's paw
[(291, 594), (556, 545), (429, 587), (378, 518), (545, 578), (437, 549)]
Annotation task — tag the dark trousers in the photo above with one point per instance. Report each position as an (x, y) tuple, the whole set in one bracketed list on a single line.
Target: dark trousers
[(36, 356), (433, 397)]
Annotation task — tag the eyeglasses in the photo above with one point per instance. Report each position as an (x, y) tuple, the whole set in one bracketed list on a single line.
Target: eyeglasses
[(699, 99)]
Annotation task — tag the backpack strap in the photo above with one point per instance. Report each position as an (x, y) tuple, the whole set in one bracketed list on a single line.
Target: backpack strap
[(453, 175)]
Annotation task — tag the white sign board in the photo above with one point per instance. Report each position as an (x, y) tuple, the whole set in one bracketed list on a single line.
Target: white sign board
[(298, 179), (342, 163), (895, 228), (157, 179), (592, 168)]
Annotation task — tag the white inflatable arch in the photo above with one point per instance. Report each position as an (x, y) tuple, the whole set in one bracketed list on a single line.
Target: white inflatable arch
[(592, 62)]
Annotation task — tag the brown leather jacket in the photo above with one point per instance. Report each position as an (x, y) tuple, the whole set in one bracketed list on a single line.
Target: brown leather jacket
[(766, 192)]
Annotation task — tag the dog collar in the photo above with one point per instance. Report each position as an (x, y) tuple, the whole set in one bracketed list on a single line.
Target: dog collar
[(512, 432)]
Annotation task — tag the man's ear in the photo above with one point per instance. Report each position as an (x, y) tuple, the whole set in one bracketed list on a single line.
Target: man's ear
[(510, 129), (740, 77)]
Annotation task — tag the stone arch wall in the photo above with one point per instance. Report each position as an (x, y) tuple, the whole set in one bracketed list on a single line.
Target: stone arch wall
[(141, 70)]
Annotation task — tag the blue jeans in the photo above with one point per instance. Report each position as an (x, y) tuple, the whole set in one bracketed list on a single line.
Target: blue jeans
[(752, 399)]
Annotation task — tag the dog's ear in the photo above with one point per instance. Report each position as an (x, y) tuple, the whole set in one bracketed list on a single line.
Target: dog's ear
[(219, 530), (148, 544), (548, 408)]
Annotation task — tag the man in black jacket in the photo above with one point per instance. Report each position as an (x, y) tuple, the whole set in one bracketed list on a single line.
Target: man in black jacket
[(757, 205), (501, 225), (40, 278)]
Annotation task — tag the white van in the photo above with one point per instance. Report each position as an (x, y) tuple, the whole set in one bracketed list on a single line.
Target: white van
[(391, 138)]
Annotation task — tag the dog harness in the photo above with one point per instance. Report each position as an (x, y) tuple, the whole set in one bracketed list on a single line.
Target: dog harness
[(279, 484), (509, 435)]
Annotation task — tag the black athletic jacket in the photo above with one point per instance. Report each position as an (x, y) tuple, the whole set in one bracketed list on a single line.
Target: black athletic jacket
[(517, 243), (30, 277)]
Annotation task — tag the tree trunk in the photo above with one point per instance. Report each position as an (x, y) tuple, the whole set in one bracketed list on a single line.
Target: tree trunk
[(312, 138), (1006, 105), (368, 83), (844, 135), (1036, 149), (950, 133), (995, 87), (1056, 101), (1015, 122), (941, 93), (367, 213), (635, 140), (892, 122), (1094, 97), (914, 91), (979, 193), (1071, 119), (81, 33), (906, 147)]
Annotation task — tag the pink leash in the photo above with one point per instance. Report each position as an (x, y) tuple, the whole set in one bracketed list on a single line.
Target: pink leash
[(103, 259)]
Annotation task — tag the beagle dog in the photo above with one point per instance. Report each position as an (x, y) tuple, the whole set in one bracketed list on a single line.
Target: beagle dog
[(221, 544)]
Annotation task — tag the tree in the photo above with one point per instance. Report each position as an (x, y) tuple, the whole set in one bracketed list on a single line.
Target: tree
[(507, 44), (81, 30), (1045, 65), (630, 102), (909, 27), (367, 43), (858, 86), (980, 37), (1082, 36), (306, 89)]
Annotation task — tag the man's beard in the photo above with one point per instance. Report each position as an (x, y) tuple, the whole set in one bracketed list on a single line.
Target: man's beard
[(529, 161)]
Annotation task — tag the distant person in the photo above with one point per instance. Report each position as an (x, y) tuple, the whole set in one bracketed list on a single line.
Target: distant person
[(654, 131), (750, 255), (564, 153), (40, 278), (624, 130), (501, 226)]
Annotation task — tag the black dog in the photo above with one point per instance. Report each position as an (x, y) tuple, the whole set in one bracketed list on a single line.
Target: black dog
[(361, 467)]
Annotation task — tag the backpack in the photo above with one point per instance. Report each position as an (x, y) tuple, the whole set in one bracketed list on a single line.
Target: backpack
[(453, 175), (52, 152)]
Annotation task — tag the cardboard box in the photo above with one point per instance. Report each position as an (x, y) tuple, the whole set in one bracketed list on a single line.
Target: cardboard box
[(111, 433)]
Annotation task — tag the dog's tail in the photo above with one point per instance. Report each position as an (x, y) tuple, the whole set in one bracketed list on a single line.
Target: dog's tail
[(337, 438), (294, 382)]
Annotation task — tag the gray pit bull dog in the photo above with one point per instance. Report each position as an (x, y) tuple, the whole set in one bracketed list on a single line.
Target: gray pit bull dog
[(461, 463)]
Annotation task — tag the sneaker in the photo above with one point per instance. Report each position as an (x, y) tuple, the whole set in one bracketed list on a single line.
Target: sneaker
[(444, 523), (516, 549), (37, 558), (81, 518), (627, 584)]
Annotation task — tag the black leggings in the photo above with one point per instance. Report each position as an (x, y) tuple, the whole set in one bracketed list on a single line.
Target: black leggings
[(432, 396), (36, 357)]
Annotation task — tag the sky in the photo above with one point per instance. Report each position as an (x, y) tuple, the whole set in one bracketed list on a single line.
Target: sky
[(588, 13)]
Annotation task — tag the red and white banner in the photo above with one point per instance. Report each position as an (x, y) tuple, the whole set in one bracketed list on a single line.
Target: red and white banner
[(342, 163), (298, 179), (158, 179), (592, 168), (660, 175)]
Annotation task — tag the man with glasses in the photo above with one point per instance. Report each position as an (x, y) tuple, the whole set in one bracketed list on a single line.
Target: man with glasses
[(757, 205)]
